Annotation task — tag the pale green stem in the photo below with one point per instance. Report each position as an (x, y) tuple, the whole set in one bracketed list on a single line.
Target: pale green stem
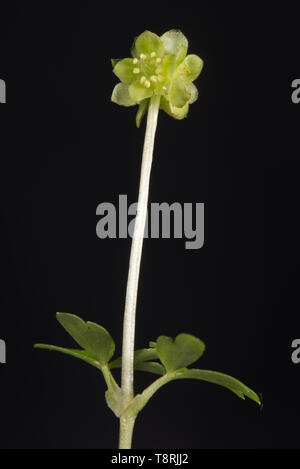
[(126, 425), (126, 431), (127, 419)]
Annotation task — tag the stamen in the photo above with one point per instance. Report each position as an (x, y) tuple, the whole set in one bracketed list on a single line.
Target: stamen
[(142, 80), (147, 84), (158, 60), (153, 78), (143, 56), (135, 61), (136, 70), (153, 54)]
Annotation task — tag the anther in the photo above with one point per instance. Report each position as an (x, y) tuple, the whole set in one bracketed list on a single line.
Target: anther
[(158, 60), (136, 70), (153, 78), (153, 54), (135, 61), (147, 84), (142, 80), (143, 56)]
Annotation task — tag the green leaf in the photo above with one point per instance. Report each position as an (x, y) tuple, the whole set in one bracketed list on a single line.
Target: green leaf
[(143, 106), (140, 356), (120, 95), (150, 367), (146, 43), (90, 336), (233, 384), (185, 350), (138, 92), (145, 354), (142, 361), (81, 354), (175, 43), (124, 70)]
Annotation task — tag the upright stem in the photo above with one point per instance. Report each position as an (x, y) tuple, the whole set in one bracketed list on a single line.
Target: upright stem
[(126, 430), (134, 270)]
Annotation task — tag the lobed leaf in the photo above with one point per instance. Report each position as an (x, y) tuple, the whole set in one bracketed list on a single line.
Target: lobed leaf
[(185, 350), (233, 384), (90, 336)]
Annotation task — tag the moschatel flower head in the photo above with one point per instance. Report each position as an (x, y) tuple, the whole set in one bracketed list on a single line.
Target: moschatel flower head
[(159, 66)]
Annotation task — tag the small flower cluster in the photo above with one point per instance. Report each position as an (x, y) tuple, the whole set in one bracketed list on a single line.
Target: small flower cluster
[(144, 65), (159, 66)]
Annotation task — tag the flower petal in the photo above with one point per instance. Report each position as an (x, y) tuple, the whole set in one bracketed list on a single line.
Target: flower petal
[(120, 95), (167, 67), (179, 92), (124, 70), (138, 92), (143, 106), (194, 93), (173, 111), (146, 43), (192, 66), (175, 43)]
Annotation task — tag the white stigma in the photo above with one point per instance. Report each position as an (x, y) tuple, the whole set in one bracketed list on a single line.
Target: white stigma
[(153, 54), (153, 78), (142, 80), (147, 84), (136, 70), (135, 61), (158, 60), (143, 56)]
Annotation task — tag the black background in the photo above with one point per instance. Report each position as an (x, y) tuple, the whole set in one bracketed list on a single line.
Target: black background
[(65, 148)]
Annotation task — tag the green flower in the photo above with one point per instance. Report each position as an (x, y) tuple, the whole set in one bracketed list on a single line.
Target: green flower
[(160, 66)]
